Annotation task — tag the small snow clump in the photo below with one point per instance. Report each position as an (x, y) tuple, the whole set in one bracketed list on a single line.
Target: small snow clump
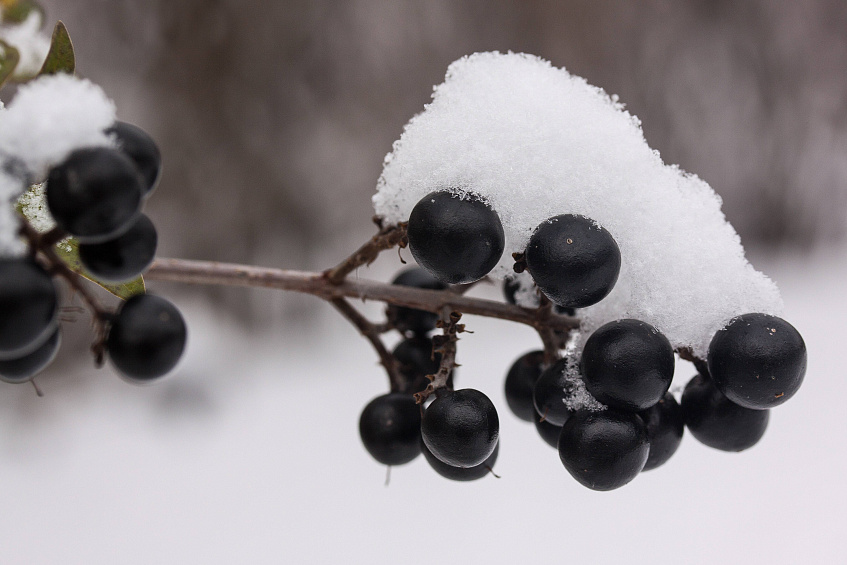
[(52, 116), (32, 44), (534, 142)]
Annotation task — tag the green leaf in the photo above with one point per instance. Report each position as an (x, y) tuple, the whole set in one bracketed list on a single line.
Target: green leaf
[(60, 58), (9, 58), (32, 206), (68, 250), (17, 11)]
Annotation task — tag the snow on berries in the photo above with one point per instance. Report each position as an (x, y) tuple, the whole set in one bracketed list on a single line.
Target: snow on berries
[(535, 142)]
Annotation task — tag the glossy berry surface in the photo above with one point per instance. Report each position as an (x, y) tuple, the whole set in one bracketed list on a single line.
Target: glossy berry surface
[(95, 194), (415, 361), (627, 364), (390, 428), (124, 257), (549, 393), (409, 319), (665, 425), (147, 337), (24, 368), (28, 307), (574, 261), (461, 427), (604, 450), (757, 361), (458, 240), (549, 432), (137, 144), (520, 382), (461, 473), (718, 422)]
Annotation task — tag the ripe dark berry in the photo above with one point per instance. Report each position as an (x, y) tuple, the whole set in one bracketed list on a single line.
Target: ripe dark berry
[(410, 319), (520, 382), (604, 450), (665, 424), (549, 432), (461, 473), (758, 361), (461, 427), (95, 194), (24, 368), (415, 362), (628, 365), (574, 261), (718, 422), (28, 306), (390, 428), (549, 393), (147, 337), (124, 257), (457, 239), (137, 144)]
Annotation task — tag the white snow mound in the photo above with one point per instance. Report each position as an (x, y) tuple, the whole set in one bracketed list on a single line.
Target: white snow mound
[(534, 142)]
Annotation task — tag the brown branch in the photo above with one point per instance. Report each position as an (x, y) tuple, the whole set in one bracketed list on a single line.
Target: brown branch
[(317, 284), (43, 244), (699, 364), (387, 238), (371, 332), (445, 345), (553, 342)]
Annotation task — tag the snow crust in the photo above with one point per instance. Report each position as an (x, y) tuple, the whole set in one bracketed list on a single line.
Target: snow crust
[(534, 142), (32, 44)]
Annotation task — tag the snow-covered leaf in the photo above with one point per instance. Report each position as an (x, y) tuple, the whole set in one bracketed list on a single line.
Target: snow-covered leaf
[(17, 11)]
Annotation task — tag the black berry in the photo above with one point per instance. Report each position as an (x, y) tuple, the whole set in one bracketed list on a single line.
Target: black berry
[(628, 365), (461, 427), (520, 382), (665, 424), (718, 422), (28, 307), (390, 428), (549, 432), (758, 361), (549, 393), (604, 450), (124, 257), (95, 194), (574, 261), (137, 144), (461, 473), (410, 319), (457, 239), (147, 337), (24, 368), (415, 361)]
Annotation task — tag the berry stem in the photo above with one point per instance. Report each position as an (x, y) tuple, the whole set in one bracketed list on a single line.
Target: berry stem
[(445, 345), (371, 332), (385, 239)]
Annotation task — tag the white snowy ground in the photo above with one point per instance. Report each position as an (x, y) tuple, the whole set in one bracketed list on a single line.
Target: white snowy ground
[(250, 454)]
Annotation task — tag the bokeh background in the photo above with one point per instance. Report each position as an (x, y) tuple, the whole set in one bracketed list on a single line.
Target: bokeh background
[(274, 118)]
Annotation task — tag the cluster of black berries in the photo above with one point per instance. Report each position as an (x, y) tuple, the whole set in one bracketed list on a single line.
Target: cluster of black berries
[(756, 362), (95, 195), (392, 427)]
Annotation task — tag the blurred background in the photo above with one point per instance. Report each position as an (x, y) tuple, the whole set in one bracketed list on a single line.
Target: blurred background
[(273, 119)]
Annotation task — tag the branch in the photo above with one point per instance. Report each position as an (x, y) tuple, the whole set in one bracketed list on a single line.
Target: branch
[(387, 238), (371, 332), (445, 345), (318, 284)]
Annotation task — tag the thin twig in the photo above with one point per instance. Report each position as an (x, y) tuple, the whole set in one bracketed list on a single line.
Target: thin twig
[(371, 332), (700, 364), (387, 238), (444, 344)]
